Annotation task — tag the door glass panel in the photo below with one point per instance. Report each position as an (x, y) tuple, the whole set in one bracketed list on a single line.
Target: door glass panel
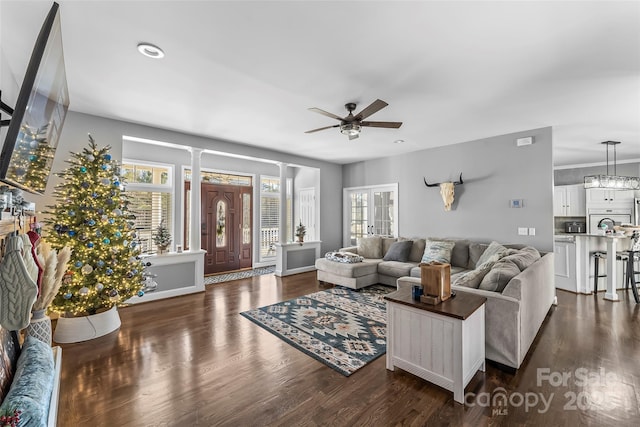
[(383, 212), (187, 217), (246, 218), (221, 229), (359, 224)]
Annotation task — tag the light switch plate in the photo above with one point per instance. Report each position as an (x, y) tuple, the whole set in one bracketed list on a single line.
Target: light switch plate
[(532, 231), (522, 231), (524, 141)]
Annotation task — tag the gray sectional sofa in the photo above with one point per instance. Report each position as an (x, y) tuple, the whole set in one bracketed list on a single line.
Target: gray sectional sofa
[(516, 306)]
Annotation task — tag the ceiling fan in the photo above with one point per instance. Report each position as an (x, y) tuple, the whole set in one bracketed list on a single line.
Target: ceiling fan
[(351, 124)]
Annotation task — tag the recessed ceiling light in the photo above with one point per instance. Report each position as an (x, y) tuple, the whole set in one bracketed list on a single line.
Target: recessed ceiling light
[(398, 141), (150, 50)]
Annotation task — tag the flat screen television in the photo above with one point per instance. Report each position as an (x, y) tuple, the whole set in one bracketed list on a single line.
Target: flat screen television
[(39, 113)]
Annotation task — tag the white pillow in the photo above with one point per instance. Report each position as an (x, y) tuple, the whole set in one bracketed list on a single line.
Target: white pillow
[(437, 250)]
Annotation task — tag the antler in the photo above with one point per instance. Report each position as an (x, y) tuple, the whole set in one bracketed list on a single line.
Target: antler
[(459, 182), (430, 185)]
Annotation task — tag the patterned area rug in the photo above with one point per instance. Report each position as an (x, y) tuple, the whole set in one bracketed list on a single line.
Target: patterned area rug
[(219, 278), (342, 328)]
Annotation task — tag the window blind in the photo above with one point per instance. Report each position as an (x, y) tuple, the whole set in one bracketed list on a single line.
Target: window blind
[(150, 208)]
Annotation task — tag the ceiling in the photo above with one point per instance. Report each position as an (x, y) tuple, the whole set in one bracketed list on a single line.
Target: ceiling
[(452, 71)]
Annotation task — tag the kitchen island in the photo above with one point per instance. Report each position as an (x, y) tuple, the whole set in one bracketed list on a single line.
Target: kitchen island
[(574, 268)]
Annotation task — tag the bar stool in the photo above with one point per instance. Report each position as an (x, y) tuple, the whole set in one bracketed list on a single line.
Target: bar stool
[(631, 272), (620, 256)]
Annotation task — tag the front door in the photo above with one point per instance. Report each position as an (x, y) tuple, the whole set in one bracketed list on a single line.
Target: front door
[(226, 227)]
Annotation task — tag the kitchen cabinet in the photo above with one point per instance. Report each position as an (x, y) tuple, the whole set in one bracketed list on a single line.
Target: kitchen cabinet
[(601, 196), (569, 200), (565, 265)]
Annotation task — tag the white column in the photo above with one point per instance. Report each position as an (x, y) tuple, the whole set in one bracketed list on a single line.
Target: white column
[(283, 203), (195, 242), (612, 270)]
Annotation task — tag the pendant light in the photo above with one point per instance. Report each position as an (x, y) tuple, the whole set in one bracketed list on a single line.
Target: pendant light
[(612, 182)]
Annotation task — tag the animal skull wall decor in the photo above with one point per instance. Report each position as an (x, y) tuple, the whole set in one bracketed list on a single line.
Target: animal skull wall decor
[(446, 191)]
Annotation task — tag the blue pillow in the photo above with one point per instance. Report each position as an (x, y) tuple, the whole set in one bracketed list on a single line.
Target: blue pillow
[(32, 384)]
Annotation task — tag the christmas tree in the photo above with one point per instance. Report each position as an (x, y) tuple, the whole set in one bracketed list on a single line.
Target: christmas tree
[(31, 158), (162, 237), (91, 217)]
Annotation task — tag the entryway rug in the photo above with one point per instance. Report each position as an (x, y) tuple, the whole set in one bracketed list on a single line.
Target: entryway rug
[(226, 277), (342, 328)]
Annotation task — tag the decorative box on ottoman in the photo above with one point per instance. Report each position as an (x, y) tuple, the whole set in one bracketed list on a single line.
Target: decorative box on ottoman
[(436, 282)]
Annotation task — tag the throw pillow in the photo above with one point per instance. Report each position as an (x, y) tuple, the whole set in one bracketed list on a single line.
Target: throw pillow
[(499, 275), (345, 257), (437, 250), (399, 251), (494, 252), (524, 257), (473, 278), (417, 250), (370, 247), (387, 242), (460, 251)]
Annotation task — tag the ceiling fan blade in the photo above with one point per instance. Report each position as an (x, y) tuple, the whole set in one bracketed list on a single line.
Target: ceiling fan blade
[(382, 124), (375, 106), (326, 127), (353, 136), (326, 113)]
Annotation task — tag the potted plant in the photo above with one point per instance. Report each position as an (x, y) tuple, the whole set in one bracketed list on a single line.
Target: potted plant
[(162, 237), (301, 230)]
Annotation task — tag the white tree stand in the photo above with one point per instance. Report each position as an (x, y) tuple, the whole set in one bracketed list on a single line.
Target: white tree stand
[(76, 329)]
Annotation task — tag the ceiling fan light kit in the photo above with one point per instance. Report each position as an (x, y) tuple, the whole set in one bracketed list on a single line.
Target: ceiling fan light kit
[(612, 182), (351, 125), (350, 129)]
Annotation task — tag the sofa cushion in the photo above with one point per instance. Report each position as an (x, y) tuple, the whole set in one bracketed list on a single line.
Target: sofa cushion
[(399, 251), (437, 250), (358, 269), (387, 242), (524, 257), (395, 268), (499, 275), (460, 253), (473, 278), (494, 252), (417, 250), (370, 247), (475, 252)]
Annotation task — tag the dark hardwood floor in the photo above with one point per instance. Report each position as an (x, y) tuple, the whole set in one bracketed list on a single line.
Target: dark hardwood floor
[(194, 361)]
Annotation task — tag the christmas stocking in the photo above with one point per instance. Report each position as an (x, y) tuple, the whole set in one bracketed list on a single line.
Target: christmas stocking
[(18, 290), (27, 258), (34, 238)]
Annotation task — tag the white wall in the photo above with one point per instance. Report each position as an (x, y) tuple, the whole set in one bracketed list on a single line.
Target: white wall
[(494, 171)]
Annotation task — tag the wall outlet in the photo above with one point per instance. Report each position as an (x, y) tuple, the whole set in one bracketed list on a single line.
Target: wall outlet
[(522, 231), (532, 231)]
